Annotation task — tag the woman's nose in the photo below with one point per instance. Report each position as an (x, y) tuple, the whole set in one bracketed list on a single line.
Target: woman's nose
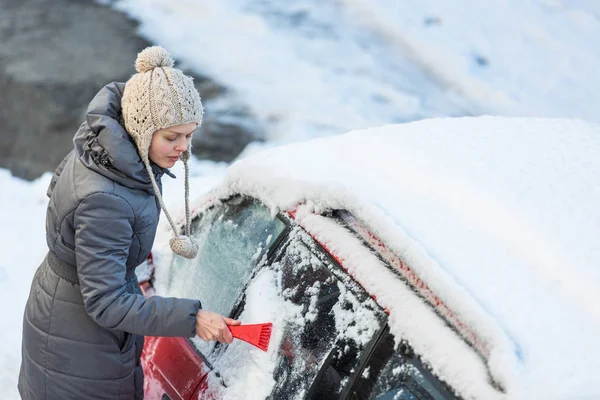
[(182, 145)]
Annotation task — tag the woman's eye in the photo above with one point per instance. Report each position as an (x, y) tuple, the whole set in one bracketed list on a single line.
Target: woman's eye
[(172, 139), (189, 136)]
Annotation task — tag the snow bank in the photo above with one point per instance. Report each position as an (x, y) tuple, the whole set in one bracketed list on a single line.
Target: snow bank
[(514, 57), (312, 68), (23, 247)]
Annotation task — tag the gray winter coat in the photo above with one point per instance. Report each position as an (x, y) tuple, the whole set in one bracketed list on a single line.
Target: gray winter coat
[(85, 312)]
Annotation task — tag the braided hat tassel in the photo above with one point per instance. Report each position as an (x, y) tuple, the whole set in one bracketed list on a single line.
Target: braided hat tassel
[(183, 245)]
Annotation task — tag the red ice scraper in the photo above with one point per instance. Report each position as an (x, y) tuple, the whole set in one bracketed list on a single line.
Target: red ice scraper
[(257, 335)]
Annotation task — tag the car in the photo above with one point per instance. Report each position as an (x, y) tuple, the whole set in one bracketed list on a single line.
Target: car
[(451, 258)]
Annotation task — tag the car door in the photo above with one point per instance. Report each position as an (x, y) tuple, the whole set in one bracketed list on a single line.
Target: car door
[(234, 237), (172, 369), (323, 325)]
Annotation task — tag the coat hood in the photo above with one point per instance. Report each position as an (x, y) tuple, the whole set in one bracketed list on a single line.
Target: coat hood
[(103, 145)]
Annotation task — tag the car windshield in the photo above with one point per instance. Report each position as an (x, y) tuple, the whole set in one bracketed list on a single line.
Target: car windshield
[(233, 238)]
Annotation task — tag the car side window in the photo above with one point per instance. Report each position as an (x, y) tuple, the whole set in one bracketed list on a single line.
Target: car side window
[(398, 374), (233, 238), (321, 350), (325, 322)]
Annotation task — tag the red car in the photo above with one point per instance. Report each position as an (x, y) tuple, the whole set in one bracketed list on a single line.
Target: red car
[(240, 238), (383, 286)]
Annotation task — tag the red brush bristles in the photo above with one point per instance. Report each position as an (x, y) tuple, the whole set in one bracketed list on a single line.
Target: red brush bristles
[(258, 335)]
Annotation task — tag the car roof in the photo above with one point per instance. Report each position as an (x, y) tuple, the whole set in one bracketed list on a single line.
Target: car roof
[(499, 216)]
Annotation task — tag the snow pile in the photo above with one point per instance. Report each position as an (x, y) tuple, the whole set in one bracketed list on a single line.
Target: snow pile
[(515, 57), (305, 69), (499, 216), (311, 68)]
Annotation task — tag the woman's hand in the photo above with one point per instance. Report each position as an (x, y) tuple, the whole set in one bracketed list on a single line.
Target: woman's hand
[(213, 326)]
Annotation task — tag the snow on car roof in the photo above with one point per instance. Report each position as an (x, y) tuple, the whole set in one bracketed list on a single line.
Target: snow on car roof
[(499, 216)]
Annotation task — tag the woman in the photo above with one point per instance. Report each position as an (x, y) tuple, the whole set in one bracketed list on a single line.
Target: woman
[(85, 317)]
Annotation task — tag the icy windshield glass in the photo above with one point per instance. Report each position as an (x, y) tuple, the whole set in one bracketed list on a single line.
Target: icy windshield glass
[(233, 238)]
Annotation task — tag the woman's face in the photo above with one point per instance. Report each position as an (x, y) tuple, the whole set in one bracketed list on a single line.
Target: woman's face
[(168, 144)]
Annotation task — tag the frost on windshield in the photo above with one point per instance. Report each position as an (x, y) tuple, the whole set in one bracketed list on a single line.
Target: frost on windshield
[(233, 238)]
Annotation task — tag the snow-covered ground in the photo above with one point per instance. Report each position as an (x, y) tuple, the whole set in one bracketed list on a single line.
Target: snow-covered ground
[(311, 68)]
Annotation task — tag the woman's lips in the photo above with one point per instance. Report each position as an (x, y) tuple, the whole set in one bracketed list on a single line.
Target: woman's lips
[(173, 158)]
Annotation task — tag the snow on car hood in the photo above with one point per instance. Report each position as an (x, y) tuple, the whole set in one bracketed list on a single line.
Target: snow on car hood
[(498, 216)]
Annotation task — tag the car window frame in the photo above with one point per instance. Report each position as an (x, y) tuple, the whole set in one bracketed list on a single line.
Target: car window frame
[(416, 361), (340, 216), (353, 286)]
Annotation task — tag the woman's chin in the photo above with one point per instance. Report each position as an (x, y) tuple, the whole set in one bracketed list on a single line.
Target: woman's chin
[(166, 163), (170, 162)]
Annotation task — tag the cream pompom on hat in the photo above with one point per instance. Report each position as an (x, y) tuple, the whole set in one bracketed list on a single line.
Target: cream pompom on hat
[(157, 97)]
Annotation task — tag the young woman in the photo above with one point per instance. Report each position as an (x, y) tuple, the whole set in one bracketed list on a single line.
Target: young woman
[(85, 317)]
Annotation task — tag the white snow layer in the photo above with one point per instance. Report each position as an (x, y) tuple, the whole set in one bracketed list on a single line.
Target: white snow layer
[(498, 216), (311, 68), (23, 247)]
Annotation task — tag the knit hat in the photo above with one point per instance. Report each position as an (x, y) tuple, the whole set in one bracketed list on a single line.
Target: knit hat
[(158, 97)]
